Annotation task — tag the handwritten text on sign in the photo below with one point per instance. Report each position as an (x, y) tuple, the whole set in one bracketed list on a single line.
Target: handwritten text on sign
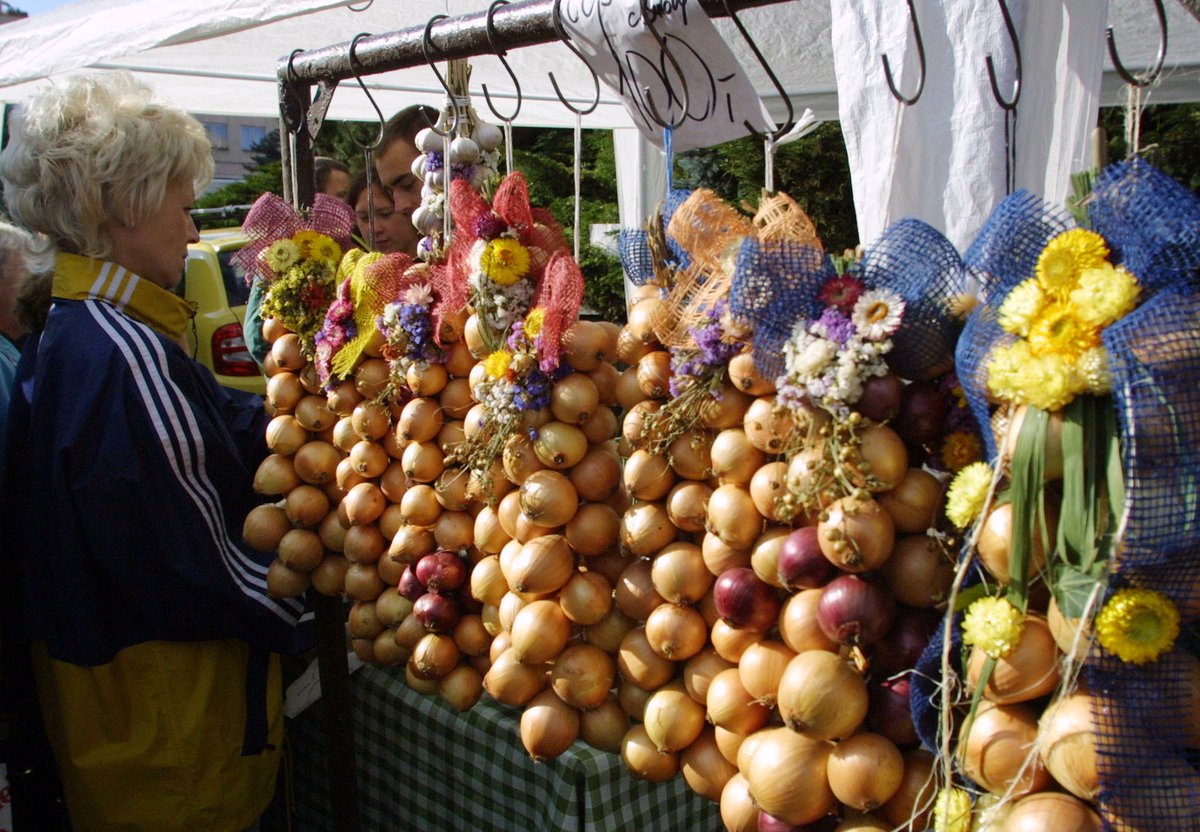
[(614, 37)]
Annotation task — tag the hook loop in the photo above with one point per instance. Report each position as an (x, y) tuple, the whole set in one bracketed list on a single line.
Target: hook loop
[(887, 67), (789, 120), (991, 67), (355, 69), (556, 22), (1151, 75), (661, 40), (426, 44), (500, 53)]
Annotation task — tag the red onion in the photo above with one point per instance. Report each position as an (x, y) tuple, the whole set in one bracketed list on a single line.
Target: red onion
[(905, 641), (922, 415), (854, 611), (890, 713), (770, 823), (802, 564), (410, 585), (438, 613), (880, 399), (744, 601), (441, 571)]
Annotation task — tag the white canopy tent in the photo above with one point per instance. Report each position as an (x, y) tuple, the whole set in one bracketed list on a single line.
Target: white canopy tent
[(222, 57)]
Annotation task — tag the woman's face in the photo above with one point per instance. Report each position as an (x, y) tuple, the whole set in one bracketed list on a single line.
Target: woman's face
[(156, 248), (394, 230)]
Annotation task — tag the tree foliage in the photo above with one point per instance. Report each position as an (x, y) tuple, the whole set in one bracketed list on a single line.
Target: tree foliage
[(1168, 138)]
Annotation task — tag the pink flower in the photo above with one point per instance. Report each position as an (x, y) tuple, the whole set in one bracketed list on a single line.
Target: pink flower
[(842, 292)]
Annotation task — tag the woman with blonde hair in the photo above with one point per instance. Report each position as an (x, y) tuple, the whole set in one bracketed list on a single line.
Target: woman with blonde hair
[(150, 631)]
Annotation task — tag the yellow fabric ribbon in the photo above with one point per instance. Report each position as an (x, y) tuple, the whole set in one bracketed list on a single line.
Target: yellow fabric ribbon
[(368, 305), (82, 278)]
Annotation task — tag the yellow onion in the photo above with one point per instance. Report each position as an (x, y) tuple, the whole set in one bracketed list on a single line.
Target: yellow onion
[(603, 423), (699, 671), (519, 459), (316, 462), (426, 379), (287, 352), (344, 436), (510, 604), (643, 316), (342, 399), (604, 727), (882, 457), (390, 521), (548, 498), (746, 377), (559, 445), (459, 360), (1051, 810), (285, 582), (687, 505), (654, 374), (673, 720), (630, 347), (764, 557), (582, 676), (419, 505), (387, 652), (635, 594), (730, 642), (597, 476), (733, 517), (628, 391), (364, 503), (857, 535), (997, 749), (393, 482), (914, 798), (332, 532), (747, 747), (420, 420), (508, 511), (918, 572), (285, 434), (1065, 631), (766, 487), (264, 526), (726, 408), (646, 528), (865, 771), (451, 488), (422, 461), (642, 758), (609, 631), (391, 607), (729, 744), (511, 682), (633, 426), (678, 573), (488, 585), (434, 656), (364, 543), (284, 390), (410, 543), (371, 420), (767, 427), (329, 578), (787, 777), (585, 345), (731, 706), (301, 550), (913, 503), (574, 398), (690, 454), (586, 598), (761, 668), (648, 476), (704, 767), (798, 625), (456, 400), (1052, 455), (995, 541), (346, 477), (632, 699), (540, 631), (544, 564), (738, 810), (548, 726), (593, 530), (461, 687), (454, 531), (640, 664), (1029, 671), (734, 457), (363, 582), (1067, 732), (676, 632), (719, 555), (822, 696), (306, 506), (490, 615)]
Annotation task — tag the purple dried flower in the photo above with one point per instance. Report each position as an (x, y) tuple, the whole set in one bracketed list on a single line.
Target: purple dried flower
[(488, 226), (838, 328), (433, 161)]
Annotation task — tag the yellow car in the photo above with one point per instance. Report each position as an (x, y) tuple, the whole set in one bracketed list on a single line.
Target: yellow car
[(218, 287)]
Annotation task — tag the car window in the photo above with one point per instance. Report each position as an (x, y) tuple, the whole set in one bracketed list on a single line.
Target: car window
[(235, 279)]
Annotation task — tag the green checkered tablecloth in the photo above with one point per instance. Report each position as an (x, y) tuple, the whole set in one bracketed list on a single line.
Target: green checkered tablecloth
[(421, 766)]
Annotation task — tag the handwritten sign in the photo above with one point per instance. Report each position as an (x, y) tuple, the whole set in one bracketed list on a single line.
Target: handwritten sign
[(666, 57)]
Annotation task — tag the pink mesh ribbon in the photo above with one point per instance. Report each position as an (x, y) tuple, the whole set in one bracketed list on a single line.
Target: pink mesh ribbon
[(560, 294), (272, 219)]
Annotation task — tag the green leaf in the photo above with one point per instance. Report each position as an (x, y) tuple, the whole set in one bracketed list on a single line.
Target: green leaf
[(970, 595), (1028, 465), (1073, 587), (985, 675)]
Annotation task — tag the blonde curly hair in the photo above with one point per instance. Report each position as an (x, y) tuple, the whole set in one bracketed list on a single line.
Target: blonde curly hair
[(97, 150)]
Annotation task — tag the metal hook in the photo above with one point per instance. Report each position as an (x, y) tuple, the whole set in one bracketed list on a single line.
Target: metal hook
[(887, 68), (1151, 76), (788, 121), (354, 68), (556, 21), (293, 121), (500, 53), (991, 68), (425, 44), (654, 114)]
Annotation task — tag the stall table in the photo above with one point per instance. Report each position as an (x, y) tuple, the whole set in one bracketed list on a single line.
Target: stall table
[(421, 766)]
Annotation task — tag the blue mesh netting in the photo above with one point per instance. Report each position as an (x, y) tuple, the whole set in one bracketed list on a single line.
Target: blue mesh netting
[(636, 257), (916, 261), (774, 284), (1004, 254), (1151, 222)]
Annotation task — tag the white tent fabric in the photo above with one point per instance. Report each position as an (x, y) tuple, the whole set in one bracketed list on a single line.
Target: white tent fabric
[(220, 57), (937, 160)]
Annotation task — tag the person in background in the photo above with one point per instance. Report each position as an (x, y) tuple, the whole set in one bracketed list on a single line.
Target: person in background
[(148, 631), (15, 250), (394, 158), (380, 226), (332, 177)]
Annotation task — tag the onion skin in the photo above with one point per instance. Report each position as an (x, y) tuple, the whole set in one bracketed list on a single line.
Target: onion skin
[(996, 745), (642, 758), (822, 696), (890, 713), (912, 805), (787, 777), (704, 768), (548, 726), (918, 573), (672, 719), (1051, 810), (1029, 671), (738, 812), (583, 676), (605, 726), (1067, 733), (865, 771), (640, 665), (855, 612), (802, 564), (730, 705), (858, 535), (744, 601), (899, 650)]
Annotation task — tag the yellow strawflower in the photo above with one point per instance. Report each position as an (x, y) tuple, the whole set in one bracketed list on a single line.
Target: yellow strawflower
[(960, 449), (282, 255), (1065, 256), (1104, 294), (952, 810), (1004, 365), (1049, 382), (993, 625), (1021, 307), (1058, 330), (1137, 625), (504, 261), (325, 250), (305, 239), (533, 322), (967, 494), (496, 364)]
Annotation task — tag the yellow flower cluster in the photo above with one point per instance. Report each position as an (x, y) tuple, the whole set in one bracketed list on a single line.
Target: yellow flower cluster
[(504, 261), (312, 246), (994, 626), (1057, 316), (967, 494), (533, 322), (496, 364), (1137, 625), (952, 810)]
